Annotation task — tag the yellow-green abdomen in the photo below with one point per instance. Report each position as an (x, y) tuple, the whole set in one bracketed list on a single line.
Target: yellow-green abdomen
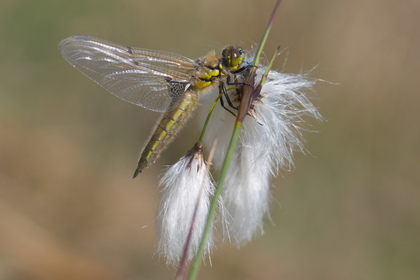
[(166, 130)]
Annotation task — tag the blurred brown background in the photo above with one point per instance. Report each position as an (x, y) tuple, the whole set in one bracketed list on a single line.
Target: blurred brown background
[(70, 210)]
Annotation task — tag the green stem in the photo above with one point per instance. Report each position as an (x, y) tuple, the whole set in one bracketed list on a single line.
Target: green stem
[(195, 267), (265, 75), (266, 32), (247, 93), (208, 118)]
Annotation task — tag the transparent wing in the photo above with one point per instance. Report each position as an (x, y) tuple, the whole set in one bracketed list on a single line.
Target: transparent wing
[(155, 80)]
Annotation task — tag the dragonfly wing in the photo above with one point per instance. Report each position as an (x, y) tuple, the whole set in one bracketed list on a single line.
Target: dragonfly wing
[(151, 79)]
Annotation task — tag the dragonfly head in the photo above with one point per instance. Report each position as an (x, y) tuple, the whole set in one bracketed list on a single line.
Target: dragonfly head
[(232, 57)]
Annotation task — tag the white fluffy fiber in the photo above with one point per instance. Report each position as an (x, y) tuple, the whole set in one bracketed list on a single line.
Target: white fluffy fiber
[(184, 184), (266, 144)]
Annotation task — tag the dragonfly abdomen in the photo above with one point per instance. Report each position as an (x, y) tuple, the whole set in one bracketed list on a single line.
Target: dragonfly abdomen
[(166, 130)]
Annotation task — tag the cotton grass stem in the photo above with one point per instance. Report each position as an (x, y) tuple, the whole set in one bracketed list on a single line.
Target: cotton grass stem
[(249, 93), (208, 117), (214, 204), (266, 32)]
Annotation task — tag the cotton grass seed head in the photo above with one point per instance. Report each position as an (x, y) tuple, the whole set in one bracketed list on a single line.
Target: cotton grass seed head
[(268, 140), (186, 189)]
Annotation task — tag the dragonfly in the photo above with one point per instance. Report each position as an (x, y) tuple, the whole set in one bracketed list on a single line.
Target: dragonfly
[(157, 80)]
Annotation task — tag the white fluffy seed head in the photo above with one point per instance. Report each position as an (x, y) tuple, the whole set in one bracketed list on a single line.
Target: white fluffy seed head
[(266, 144), (184, 184)]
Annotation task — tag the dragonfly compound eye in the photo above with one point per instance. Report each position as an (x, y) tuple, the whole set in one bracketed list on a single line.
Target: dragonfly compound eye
[(233, 56)]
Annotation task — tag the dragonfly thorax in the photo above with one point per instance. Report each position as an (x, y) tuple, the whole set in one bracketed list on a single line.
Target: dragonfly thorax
[(209, 68)]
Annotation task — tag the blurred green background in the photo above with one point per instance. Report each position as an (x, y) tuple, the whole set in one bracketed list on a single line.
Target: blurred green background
[(70, 210)]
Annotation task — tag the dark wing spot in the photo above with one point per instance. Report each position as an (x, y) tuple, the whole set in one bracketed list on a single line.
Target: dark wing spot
[(176, 88)]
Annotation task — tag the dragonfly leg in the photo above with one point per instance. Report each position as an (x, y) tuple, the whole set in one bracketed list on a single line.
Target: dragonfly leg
[(236, 83), (222, 89)]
